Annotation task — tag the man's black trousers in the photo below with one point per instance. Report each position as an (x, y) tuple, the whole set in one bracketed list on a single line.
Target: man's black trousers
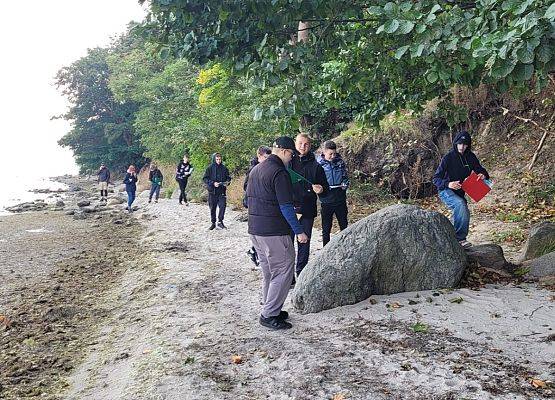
[(217, 200), (327, 211), (303, 249)]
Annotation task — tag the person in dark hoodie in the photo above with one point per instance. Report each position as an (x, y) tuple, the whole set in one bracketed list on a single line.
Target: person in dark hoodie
[(453, 169), (216, 178), (262, 154), (103, 181), (271, 220), (183, 172), (130, 181), (335, 200), (155, 177), (305, 194)]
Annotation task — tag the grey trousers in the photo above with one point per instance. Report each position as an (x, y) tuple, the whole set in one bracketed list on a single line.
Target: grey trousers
[(277, 261)]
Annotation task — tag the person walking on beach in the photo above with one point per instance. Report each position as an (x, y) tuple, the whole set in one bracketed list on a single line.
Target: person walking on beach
[(130, 181), (335, 200), (262, 154), (271, 219), (216, 178), (103, 175), (155, 177), (304, 193), (182, 174), (453, 169)]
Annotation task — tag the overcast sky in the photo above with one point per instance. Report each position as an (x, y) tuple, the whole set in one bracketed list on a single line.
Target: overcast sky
[(38, 38)]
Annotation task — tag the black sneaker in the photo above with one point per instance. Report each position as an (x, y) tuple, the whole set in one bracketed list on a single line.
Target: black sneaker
[(283, 315), (274, 323), (213, 226), (221, 225)]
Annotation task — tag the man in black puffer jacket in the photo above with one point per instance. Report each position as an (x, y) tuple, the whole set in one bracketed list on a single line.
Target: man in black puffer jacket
[(305, 194), (216, 178)]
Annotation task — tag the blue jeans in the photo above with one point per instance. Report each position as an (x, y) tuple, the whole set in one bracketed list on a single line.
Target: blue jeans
[(130, 198), (154, 191), (459, 209)]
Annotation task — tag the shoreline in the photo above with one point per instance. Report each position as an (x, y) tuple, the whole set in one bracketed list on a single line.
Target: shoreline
[(153, 305)]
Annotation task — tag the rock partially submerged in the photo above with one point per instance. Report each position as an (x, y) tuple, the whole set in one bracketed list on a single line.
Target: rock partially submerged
[(399, 248)]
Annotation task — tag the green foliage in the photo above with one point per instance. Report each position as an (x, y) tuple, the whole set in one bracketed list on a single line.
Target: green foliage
[(515, 235), (369, 60), (102, 127)]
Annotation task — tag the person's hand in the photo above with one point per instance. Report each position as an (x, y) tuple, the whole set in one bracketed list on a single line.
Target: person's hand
[(455, 185), (481, 176), (216, 184), (317, 189), (302, 238)]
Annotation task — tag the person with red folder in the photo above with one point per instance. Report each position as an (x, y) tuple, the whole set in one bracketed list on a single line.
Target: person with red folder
[(453, 169)]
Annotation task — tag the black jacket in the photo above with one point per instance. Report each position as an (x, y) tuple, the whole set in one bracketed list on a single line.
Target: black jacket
[(457, 167), (156, 176), (183, 171), (130, 181), (216, 173), (304, 197), (269, 187), (254, 163)]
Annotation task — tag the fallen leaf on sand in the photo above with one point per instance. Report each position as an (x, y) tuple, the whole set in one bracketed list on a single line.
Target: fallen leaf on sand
[(236, 359), (372, 301), (338, 396), (538, 383), (146, 351), (457, 300), (394, 305), (4, 321)]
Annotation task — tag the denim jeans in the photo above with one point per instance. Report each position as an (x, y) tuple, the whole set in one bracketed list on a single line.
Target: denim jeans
[(154, 191), (130, 198), (459, 209)]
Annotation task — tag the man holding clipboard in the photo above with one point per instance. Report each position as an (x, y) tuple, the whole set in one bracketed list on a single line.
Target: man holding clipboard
[(455, 167)]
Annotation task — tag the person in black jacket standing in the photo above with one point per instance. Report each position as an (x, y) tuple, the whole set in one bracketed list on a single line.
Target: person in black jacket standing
[(271, 219), (183, 172), (155, 177), (305, 194), (216, 178), (453, 169)]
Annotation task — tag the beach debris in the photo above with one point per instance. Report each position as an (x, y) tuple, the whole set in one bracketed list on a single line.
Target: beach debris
[(189, 360), (338, 396), (5, 323), (393, 306), (413, 302), (236, 359), (539, 384), (420, 327), (372, 301), (457, 300)]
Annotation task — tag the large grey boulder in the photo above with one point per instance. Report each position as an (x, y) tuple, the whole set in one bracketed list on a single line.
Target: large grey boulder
[(400, 248), (541, 240), (541, 266), (488, 255)]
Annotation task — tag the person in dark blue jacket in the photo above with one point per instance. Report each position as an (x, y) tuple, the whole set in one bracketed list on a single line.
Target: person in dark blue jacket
[(155, 177), (453, 169), (130, 181), (335, 200), (216, 178)]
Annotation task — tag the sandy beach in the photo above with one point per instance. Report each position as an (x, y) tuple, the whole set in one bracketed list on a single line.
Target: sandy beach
[(158, 307)]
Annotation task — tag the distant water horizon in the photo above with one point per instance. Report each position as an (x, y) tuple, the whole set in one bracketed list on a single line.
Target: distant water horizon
[(25, 175)]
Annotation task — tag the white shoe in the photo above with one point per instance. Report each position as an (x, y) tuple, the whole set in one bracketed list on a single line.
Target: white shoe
[(465, 243)]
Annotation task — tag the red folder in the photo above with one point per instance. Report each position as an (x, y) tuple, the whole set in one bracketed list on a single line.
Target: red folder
[(475, 187)]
